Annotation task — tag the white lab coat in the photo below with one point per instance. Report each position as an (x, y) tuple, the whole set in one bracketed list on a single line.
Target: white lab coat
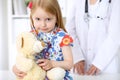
[(96, 42)]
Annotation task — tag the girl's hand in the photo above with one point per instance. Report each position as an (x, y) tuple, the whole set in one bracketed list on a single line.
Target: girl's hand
[(45, 64), (79, 67), (93, 70), (18, 73)]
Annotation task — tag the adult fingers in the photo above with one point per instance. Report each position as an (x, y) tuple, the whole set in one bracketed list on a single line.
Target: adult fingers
[(92, 70), (78, 68)]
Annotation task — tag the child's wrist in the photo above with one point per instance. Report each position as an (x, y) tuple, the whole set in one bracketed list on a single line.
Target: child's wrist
[(52, 63)]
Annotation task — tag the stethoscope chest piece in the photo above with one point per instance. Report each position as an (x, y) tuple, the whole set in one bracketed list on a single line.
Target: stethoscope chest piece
[(86, 12), (86, 17)]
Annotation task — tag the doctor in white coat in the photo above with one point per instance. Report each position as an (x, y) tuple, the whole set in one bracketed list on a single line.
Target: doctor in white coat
[(95, 28)]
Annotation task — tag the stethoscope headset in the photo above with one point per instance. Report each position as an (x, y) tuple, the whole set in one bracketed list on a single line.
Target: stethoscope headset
[(86, 16)]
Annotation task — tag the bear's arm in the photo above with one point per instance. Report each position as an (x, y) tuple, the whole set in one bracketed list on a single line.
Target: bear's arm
[(24, 64)]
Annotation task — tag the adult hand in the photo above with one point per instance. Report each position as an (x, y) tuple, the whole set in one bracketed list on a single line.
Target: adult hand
[(79, 67), (93, 70), (18, 73)]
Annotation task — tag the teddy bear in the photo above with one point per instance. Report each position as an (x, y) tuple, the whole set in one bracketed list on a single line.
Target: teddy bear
[(29, 48)]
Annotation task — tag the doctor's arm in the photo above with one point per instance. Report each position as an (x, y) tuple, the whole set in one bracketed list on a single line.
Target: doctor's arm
[(108, 51), (76, 50)]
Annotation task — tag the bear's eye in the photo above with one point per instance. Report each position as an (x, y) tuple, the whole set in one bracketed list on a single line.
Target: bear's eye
[(22, 43)]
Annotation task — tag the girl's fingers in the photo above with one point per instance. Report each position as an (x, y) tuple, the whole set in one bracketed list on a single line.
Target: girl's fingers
[(41, 62), (45, 64), (46, 68), (20, 74)]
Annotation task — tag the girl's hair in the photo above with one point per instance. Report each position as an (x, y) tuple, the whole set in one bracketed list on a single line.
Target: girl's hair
[(50, 6)]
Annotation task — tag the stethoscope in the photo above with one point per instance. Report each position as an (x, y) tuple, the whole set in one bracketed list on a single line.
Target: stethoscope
[(86, 15)]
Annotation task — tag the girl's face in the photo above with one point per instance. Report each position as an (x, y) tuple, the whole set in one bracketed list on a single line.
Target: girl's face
[(43, 21)]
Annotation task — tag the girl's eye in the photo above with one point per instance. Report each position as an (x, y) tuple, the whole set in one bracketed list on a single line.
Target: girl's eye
[(38, 19), (48, 19)]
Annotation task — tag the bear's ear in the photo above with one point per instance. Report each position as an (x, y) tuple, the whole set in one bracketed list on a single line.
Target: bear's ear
[(22, 42)]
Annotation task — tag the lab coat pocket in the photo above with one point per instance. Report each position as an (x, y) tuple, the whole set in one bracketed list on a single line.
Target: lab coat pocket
[(103, 9)]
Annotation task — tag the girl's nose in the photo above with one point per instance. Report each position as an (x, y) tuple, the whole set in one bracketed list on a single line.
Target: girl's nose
[(43, 24)]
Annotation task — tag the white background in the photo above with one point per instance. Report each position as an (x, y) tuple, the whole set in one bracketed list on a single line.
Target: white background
[(3, 36)]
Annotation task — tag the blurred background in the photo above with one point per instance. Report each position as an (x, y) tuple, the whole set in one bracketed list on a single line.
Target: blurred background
[(4, 64)]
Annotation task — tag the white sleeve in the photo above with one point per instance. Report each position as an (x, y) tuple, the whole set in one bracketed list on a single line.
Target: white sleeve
[(111, 45), (71, 29)]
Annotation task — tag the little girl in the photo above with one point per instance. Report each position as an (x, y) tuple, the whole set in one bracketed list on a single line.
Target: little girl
[(47, 21)]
